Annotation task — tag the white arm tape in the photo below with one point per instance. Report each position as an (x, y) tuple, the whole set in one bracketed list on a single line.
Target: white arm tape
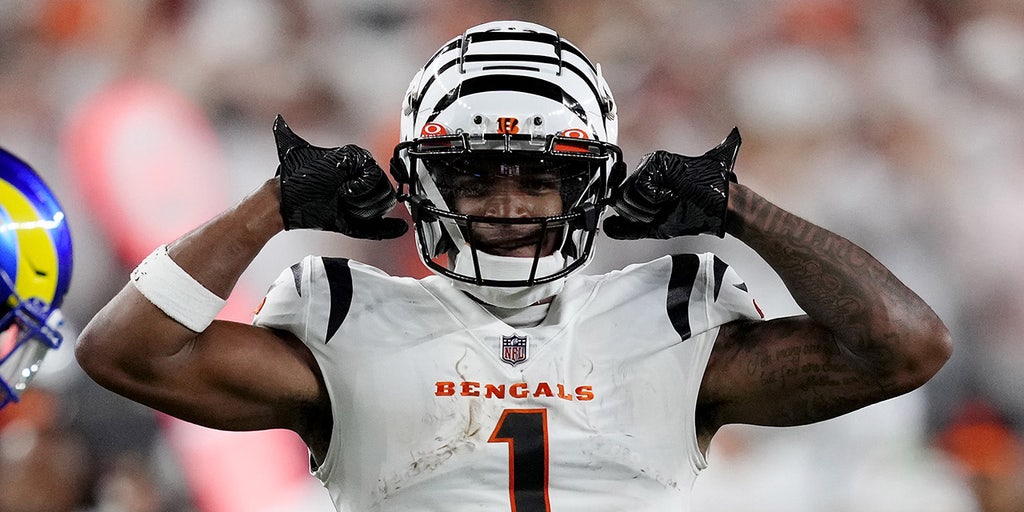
[(175, 292)]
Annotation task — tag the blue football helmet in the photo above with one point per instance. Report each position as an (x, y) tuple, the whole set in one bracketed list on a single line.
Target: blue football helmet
[(35, 271)]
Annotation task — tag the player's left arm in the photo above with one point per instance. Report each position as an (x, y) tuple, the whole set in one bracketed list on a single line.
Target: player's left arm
[(866, 337)]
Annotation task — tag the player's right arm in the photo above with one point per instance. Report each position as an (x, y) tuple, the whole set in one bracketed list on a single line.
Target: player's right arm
[(230, 376), (235, 376)]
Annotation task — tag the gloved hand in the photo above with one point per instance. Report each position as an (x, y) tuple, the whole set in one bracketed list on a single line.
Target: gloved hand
[(333, 189), (672, 195)]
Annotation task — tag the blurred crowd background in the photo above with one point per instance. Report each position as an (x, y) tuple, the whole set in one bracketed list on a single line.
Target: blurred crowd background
[(897, 123)]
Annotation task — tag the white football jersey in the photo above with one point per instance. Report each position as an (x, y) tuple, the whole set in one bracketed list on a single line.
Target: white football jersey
[(440, 406)]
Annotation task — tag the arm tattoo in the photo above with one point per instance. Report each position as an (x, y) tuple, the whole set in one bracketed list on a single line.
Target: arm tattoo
[(803, 379), (838, 284)]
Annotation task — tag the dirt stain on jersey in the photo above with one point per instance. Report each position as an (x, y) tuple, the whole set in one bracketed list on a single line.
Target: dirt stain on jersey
[(465, 426), (614, 453)]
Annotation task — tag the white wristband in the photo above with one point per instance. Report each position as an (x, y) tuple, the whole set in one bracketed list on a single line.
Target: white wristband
[(175, 292)]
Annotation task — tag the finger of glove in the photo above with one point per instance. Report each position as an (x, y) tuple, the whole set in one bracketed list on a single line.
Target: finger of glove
[(727, 150), (620, 228), (285, 138), (656, 178), (682, 221), (369, 193), (375, 229), (644, 200), (358, 165), (355, 161), (688, 219), (636, 209), (369, 204), (719, 159), (359, 156), (294, 152)]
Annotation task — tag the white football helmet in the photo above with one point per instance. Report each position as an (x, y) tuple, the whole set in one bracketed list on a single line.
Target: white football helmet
[(507, 160)]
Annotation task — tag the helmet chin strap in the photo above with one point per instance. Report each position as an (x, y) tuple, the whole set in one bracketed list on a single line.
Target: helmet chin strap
[(508, 268)]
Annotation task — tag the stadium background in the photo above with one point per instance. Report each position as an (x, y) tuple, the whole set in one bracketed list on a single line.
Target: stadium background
[(897, 123)]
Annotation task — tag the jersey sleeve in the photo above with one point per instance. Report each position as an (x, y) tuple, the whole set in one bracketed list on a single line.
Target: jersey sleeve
[(704, 292), (729, 299), (286, 304)]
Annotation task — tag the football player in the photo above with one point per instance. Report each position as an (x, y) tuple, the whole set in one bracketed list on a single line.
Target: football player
[(35, 272), (509, 380)]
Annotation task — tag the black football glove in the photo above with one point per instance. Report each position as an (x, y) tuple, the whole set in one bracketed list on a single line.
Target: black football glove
[(672, 195), (333, 189)]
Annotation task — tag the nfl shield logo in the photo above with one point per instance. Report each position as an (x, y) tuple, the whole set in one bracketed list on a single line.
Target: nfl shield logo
[(514, 349)]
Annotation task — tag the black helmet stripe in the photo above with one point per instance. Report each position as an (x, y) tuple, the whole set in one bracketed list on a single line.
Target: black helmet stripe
[(510, 36), (566, 45), (537, 37), (508, 58), (445, 49), (558, 44), (517, 58), (518, 83), (503, 35), (534, 58)]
